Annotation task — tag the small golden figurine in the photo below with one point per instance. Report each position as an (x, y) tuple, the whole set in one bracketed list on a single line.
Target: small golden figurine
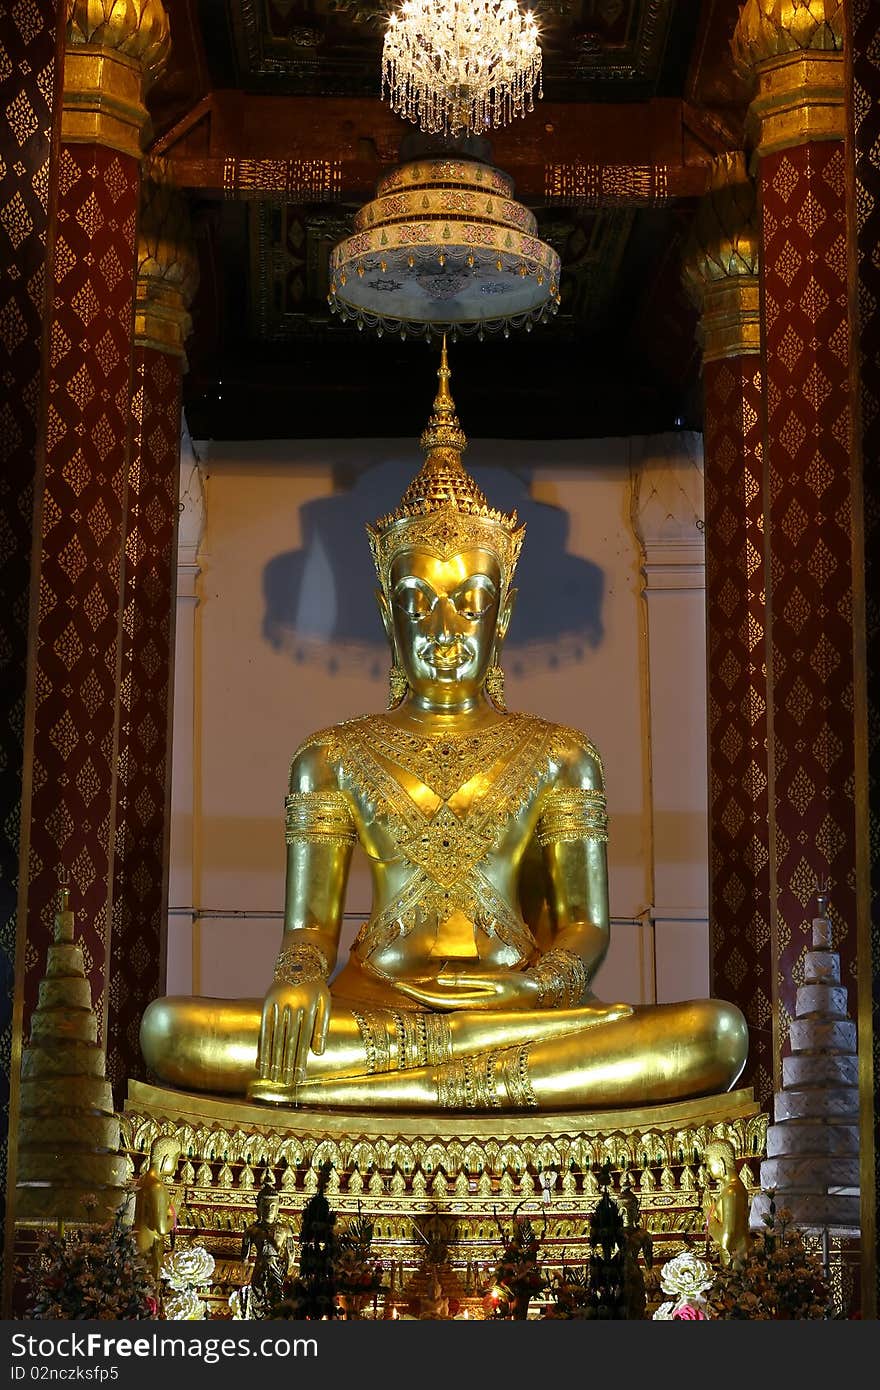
[(268, 1242), (482, 826), (727, 1207), (637, 1242), (155, 1214)]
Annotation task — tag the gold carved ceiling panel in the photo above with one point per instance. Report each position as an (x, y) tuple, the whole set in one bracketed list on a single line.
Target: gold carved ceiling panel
[(335, 45)]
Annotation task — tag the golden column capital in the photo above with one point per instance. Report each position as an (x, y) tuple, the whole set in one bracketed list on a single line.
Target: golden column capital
[(721, 262), (794, 51), (167, 272), (115, 51)]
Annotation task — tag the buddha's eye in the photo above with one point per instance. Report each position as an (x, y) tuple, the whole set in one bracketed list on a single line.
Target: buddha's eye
[(415, 603), (474, 603)]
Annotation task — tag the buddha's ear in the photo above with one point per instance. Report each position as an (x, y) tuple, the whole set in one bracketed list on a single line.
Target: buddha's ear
[(506, 613), (385, 611)]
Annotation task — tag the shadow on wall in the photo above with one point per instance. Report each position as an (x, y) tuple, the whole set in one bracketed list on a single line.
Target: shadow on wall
[(320, 604)]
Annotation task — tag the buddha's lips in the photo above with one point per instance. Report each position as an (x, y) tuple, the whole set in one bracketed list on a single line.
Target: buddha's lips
[(447, 658)]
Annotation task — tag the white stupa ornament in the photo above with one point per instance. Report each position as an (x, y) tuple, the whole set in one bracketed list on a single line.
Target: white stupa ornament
[(813, 1146)]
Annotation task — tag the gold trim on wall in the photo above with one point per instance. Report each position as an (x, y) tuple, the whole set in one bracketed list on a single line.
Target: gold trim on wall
[(731, 318), (161, 320), (103, 100), (800, 99)]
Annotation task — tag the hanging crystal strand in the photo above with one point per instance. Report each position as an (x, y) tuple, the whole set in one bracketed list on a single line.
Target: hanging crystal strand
[(450, 65)]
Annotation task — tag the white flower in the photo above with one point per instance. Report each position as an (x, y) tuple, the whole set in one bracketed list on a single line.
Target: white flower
[(185, 1306), (235, 1304), (686, 1276), (188, 1267), (664, 1312)]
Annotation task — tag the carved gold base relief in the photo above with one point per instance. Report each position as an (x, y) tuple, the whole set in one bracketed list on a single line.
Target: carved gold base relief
[(401, 1169)]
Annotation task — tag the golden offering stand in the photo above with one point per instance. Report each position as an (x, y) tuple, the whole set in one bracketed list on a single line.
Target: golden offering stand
[(470, 1170)]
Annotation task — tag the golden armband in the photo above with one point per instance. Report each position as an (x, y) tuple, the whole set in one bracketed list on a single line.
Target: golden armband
[(319, 818), (300, 964), (573, 813), (562, 979)]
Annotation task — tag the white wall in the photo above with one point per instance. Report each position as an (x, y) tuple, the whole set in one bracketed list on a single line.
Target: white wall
[(284, 639)]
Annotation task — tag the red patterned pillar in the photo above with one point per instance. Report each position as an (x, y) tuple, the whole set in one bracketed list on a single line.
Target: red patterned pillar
[(166, 280), (863, 40), (30, 91), (797, 119), (113, 49), (721, 269)]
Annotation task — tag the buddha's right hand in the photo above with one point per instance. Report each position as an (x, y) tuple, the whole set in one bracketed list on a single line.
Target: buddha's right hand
[(295, 1019)]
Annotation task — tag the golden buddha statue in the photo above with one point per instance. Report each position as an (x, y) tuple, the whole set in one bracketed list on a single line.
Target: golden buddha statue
[(470, 987), (267, 1245), (726, 1206), (155, 1214)]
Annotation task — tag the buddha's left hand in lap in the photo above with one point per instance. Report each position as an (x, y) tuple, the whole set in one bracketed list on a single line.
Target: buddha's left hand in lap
[(498, 992), (509, 989)]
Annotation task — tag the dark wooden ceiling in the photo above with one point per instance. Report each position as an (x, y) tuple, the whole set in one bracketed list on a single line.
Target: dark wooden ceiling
[(270, 115)]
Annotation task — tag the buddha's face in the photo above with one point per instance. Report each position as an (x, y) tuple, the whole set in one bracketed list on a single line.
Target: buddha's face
[(446, 621), (716, 1164), (164, 1159), (268, 1207)]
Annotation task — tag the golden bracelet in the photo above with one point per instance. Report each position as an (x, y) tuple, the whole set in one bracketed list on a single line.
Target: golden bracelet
[(318, 817), (576, 813), (562, 979), (300, 964)]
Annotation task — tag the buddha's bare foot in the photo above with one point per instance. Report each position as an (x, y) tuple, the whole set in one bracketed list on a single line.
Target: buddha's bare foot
[(595, 1011)]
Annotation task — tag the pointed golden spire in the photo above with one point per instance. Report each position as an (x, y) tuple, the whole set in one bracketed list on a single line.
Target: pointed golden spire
[(68, 1134), (64, 920), (443, 507), (443, 430), (443, 481)]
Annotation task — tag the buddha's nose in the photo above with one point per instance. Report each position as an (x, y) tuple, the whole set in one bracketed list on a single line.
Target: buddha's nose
[(442, 621)]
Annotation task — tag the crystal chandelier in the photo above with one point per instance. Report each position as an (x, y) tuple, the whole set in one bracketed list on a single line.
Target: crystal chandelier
[(456, 66)]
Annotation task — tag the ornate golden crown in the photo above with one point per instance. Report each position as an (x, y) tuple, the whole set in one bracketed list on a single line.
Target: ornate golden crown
[(443, 510)]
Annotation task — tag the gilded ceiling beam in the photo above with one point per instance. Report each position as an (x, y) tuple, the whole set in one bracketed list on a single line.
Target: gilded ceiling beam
[(326, 149)]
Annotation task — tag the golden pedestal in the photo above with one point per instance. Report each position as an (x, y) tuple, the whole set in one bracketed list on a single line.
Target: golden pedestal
[(471, 1170)]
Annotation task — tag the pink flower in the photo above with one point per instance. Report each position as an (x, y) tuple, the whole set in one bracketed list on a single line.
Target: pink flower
[(688, 1313)]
